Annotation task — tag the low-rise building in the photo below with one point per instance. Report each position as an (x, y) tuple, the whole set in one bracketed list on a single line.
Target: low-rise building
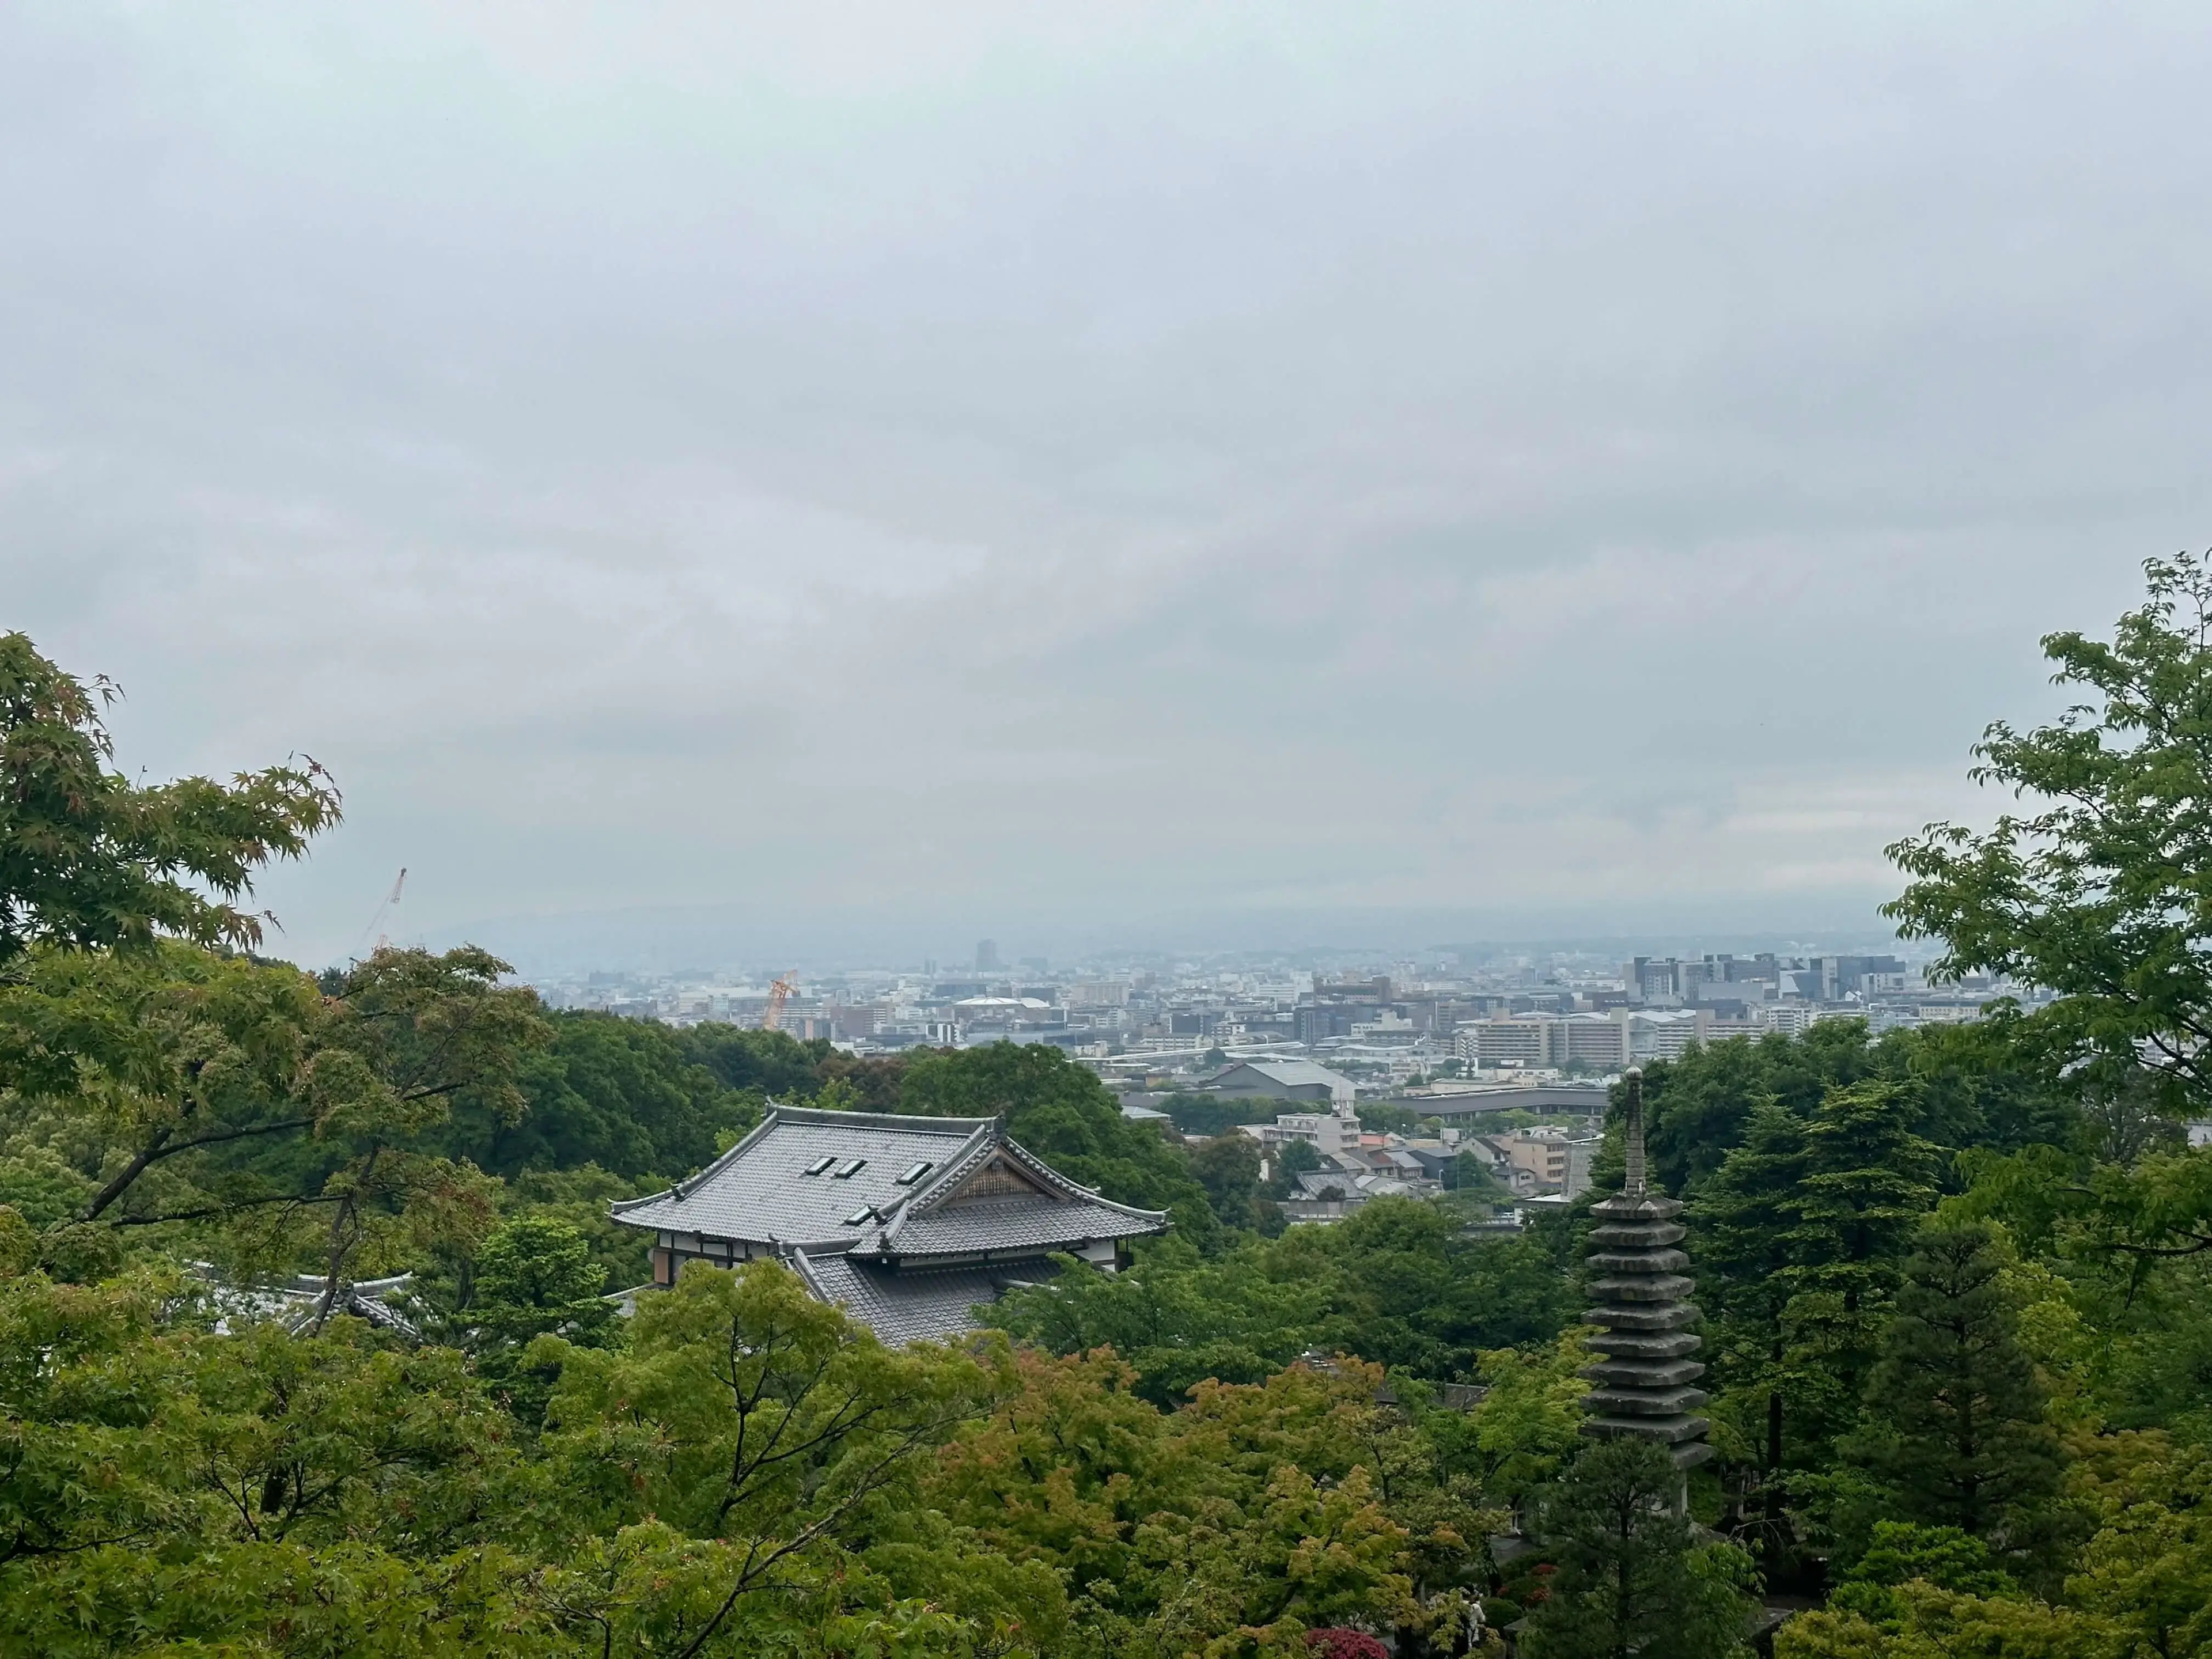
[(1547, 1159), (1325, 1195), (1328, 1132)]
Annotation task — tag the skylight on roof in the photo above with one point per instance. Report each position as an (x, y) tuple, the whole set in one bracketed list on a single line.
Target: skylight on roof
[(913, 1172), (849, 1168), (863, 1215), (818, 1165)]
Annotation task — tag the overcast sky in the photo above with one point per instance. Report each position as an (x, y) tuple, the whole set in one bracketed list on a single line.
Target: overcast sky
[(901, 473)]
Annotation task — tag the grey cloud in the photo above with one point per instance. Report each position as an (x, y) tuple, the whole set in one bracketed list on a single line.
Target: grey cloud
[(1093, 465)]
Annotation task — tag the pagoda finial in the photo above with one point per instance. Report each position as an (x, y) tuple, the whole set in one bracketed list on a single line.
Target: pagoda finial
[(1634, 1187)]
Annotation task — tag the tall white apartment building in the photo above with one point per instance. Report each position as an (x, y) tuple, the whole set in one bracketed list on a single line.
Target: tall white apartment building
[(1599, 1040), (1591, 1040), (1511, 1041), (1663, 1035)]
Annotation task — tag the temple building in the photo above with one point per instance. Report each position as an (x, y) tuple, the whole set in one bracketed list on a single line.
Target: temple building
[(906, 1222), (1646, 1337)]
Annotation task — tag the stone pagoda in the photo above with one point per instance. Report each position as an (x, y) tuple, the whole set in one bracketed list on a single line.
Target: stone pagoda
[(1640, 1289)]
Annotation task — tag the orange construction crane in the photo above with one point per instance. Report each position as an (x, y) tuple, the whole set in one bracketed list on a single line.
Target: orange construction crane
[(778, 994)]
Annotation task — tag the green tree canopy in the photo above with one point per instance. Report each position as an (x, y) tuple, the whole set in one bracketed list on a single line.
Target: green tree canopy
[(1211, 1115), (712, 1489), (2101, 890), (1985, 1083), (88, 858), (1295, 1157), (1698, 1107), (631, 1095), (1801, 1235), (233, 1104), (1228, 1167), (1229, 1525), (534, 1276), (771, 1063), (1400, 1282), (1958, 1434)]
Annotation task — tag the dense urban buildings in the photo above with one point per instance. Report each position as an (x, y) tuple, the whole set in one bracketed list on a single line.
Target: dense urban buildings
[(1465, 1016), (1395, 1078)]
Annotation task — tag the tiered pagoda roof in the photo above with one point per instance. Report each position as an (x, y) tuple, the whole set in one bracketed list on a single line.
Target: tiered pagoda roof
[(1646, 1339)]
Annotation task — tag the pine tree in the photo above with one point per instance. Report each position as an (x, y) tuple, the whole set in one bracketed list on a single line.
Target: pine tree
[(1744, 1226), (1800, 1237), (1868, 1181), (1631, 1577), (1958, 1435)]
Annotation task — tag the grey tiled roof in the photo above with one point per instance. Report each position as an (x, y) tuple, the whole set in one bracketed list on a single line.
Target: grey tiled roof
[(759, 1191), (903, 1306), (1312, 1183), (877, 1266)]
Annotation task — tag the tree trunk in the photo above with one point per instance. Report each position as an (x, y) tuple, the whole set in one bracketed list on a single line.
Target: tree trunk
[(340, 1243), (1773, 1539)]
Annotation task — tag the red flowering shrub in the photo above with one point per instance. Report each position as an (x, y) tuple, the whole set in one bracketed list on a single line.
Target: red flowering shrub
[(1340, 1644)]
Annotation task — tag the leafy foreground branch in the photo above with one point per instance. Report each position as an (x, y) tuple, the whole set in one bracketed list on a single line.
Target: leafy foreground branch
[(747, 1473), (90, 859), (243, 1099), (325, 1494)]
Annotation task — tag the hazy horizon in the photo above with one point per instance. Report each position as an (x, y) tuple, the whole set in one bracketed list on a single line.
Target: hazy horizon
[(700, 939), (867, 475)]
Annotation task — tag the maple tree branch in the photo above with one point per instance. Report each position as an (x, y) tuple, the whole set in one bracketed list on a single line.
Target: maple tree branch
[(226, 1209)]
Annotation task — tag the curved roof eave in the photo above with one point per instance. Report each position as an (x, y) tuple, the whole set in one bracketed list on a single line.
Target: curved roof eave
[(1037, 1165)]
